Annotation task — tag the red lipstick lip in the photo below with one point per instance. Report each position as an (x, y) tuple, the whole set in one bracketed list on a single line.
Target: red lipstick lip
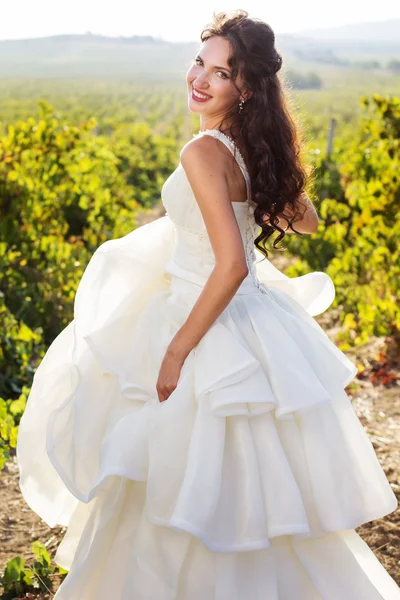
[(199, 92)]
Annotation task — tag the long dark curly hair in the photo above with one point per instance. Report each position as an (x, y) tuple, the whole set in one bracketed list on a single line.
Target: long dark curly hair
[(269, 132)]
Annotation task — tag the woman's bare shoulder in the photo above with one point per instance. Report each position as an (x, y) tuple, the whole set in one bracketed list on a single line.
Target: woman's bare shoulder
[(205, 148)]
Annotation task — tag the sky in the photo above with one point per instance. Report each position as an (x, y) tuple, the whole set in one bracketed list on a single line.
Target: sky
[(176, 20)]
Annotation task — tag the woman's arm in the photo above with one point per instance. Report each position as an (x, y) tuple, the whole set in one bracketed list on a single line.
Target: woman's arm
[(205, 167)]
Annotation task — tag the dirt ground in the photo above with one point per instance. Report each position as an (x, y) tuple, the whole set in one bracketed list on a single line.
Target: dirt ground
[(375, 394)]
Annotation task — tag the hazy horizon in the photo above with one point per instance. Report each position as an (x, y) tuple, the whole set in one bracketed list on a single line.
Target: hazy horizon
[(24, 20)]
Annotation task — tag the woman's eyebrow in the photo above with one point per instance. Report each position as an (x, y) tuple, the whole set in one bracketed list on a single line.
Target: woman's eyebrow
[(215, 66)]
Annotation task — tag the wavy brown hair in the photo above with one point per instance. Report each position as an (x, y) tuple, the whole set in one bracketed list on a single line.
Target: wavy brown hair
[(269, 132)]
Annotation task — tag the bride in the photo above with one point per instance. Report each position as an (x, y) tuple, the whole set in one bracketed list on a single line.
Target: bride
[(190, 427)]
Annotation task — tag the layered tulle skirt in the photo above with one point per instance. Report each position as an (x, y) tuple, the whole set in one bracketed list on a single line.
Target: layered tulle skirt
[(247, 483)]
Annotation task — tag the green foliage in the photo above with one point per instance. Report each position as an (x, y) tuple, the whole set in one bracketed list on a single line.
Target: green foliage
[(145, 159), (64, 190), (358, 239), (19, 579), (11, 412), (16, 578)]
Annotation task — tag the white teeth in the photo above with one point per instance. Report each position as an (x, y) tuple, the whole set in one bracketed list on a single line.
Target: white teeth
[(199, 95)]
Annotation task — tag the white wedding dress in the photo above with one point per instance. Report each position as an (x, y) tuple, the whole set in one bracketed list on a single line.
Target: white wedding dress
[(248, 482)]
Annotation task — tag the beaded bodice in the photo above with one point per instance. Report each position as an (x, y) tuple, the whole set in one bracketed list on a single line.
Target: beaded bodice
[(193, 257)]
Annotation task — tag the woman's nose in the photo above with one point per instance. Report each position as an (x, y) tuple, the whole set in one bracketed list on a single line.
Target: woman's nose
[(201, 83)]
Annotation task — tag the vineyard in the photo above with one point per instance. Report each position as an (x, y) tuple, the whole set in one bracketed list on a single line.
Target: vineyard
[(87, 165)]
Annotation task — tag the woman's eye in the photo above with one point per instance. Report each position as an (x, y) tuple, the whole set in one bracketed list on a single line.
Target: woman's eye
[(225, 76)]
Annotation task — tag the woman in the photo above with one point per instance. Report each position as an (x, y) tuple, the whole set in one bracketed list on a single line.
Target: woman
[(190, 426)]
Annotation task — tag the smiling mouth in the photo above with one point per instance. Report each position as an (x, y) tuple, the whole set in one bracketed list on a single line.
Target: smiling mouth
[(197, 95)]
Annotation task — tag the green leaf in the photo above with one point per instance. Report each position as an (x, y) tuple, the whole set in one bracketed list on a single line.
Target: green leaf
[(14, 570)]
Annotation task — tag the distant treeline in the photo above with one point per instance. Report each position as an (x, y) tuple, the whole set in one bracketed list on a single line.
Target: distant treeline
[(328, 57), (304, 81)]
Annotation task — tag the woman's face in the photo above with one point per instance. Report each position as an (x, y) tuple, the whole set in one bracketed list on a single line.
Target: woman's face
[(210, 75)]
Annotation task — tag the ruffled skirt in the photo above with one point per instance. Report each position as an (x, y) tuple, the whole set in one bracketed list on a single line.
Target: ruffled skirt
[(247, 483)]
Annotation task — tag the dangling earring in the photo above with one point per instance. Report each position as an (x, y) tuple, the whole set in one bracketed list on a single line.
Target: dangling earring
[(241, 105)]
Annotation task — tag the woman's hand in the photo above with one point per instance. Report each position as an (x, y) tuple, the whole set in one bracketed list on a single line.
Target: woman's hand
[(169, 374)]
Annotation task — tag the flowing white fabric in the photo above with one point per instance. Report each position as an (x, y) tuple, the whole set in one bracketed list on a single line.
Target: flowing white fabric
[(249, 480)]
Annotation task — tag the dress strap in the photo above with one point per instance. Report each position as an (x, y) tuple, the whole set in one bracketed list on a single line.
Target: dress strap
[(230, 144)]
